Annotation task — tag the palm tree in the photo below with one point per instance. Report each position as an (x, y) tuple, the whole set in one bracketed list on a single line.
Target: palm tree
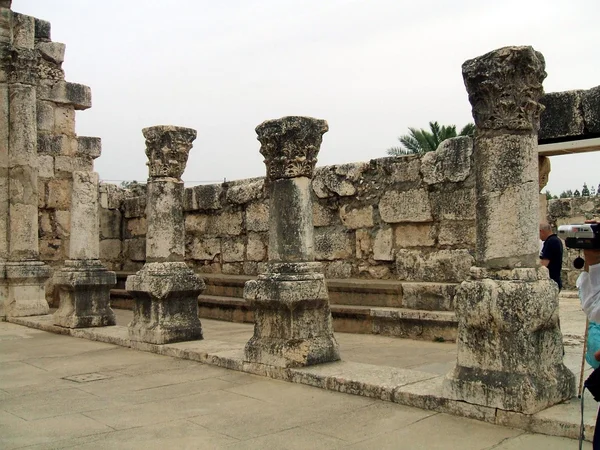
[(422, 141)]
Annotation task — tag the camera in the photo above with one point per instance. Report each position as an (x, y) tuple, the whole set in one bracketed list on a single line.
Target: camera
[(583, 236)]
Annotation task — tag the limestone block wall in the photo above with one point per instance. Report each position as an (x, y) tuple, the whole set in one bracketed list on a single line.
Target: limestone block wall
[(60, 150), (410, 218), (564, 211)]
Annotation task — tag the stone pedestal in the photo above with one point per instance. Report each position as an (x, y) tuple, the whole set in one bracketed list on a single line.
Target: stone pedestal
[(293, 326), (165, 290), (84, 283), (24, 288), (509, 341), (84, 293)]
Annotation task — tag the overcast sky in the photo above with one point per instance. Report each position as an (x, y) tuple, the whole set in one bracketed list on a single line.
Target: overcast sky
[(371, 68)]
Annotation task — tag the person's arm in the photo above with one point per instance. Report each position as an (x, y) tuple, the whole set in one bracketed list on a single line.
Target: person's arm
[(590, 285), (546, 254), (544, 262)]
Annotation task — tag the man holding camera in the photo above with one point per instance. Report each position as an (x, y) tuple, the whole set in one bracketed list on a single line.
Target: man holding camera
[(552, 253)]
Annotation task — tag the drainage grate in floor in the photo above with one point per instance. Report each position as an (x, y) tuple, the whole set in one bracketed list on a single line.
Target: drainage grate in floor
[(87, 377)]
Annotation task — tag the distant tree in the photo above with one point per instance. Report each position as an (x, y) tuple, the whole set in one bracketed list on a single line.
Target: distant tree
[(423, 141), (585, 192), (566, 194), (598, 190), (548, 195), (592, 191), (576, 193), (137, 189)]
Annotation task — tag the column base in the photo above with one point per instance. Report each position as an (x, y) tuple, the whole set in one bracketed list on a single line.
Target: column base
[(293, 326), (510, 348), (24, 289), (166, 303), (84, 293)]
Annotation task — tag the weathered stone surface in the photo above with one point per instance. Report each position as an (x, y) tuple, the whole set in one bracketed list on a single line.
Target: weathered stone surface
[(167, 148), (290, 145), (324, 216), (110, 249), (68, 164), (440, 266), (457, 233), (205, 249), (591, 109), (134, 207), (354, 218), (165, 239), (76, 95), (23, 30), (399, 169), (257, 217), (135, 249), (233, 249), (256, 249), (383, 245), (544, 169), (562, 116), (84, 243), (405, 206), (206, 197), (195, 224), (84, 289), (450, 162), (332, 243), (59, 194), (24, 287), (89, 146), (51, 51), (328, 184), (42, 29), (45, 116), (55, 145), (338, 269), (489, 79), (110, 223), (45, 166), (137, 227), (245, 191), (510, 348), (225, 224), (414, 235), (166, 306), (363, 243), (428, 296)]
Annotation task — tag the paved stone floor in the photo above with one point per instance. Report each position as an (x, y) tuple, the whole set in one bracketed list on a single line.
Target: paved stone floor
[(63, 392)]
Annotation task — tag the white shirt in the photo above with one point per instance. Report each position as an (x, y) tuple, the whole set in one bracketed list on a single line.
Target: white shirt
[(589, 292)]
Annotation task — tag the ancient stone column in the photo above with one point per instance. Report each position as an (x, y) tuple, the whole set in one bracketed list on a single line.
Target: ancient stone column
[(293, 325), (510, 346), (22, 274), (165, 290), (84, 283)]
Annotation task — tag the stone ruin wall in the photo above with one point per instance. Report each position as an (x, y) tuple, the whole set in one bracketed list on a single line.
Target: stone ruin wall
[(410, 218)]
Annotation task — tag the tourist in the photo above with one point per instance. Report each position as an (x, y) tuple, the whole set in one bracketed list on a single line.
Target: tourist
[(552, 253), (589, 294)]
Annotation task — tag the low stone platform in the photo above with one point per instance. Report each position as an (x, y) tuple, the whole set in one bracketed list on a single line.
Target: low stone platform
[(419, 386)]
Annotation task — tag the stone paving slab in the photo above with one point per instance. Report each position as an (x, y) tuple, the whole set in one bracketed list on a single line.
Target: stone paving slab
[(399, 385), (141, 400)]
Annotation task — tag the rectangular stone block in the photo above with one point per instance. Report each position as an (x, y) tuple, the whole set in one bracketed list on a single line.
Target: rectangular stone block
[(383, 245), (233, 250), (356, 217), (458, 204), (206, 197), (245, 191), (332, 243), (110, 249), (42, 29), (110, 223), (52, 144), (399, 169), (324, 216), (591, 110), (136, 227), (90, 147), (225, 224), (45, 116), (363, 243), (256, 250), (405, 206), (64, 120), (59, 194), (205, 248), (457, 233), (76, 95), (428, 296), (51, 51), (45, 166), (65, 165), (23, 31), (63, 223), (135, 249), (53, 249), (257, 217), (195, 224), (450, 266), (134, 207), (563, 115), (414, 235)]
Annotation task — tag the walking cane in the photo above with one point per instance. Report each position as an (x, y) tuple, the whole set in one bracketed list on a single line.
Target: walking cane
[(587, 323)]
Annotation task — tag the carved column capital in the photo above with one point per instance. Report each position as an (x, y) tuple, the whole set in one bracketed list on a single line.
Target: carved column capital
[(167, 148), (504, 88), (290, 145)]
